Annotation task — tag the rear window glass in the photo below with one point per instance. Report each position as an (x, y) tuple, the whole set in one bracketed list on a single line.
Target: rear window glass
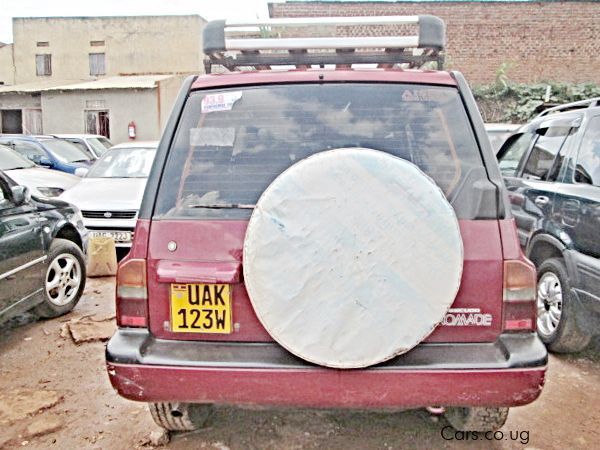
[(231, 144)]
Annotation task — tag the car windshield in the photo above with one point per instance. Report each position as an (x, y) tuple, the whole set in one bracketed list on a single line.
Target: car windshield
[(100, 145), (81, 146), (65, 151), (232, 144), (124, 163), (11, 160)]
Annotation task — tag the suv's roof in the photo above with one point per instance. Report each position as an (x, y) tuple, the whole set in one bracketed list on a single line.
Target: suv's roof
[(580, 105), (328, 75), (559, 119)]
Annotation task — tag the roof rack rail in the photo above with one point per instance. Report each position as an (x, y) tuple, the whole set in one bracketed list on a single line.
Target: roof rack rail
[(240, 44), (582, 104)]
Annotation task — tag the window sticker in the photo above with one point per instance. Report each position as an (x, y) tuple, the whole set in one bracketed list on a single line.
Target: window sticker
[(425, 95), (212, 137), (220, 102)]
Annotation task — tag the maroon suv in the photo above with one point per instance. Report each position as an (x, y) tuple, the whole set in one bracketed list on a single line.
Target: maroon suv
[(189, 335)]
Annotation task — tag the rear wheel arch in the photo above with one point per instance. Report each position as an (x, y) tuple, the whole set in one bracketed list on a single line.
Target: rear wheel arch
[(543, 247)]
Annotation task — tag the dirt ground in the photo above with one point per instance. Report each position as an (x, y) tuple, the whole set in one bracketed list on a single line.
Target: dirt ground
[(55, 393)]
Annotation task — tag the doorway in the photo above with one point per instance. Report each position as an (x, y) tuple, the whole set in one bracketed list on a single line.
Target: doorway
[(11, 121)]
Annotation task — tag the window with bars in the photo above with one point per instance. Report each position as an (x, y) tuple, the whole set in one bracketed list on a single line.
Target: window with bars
[(97, 64), (97, 122), (43, 65)]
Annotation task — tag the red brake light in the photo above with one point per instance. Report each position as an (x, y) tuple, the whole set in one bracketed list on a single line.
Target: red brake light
[(519, 294), (132, 294)]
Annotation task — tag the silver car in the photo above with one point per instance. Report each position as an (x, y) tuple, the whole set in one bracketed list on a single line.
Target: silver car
[(94, 145), (41, 182), (499, 132), (110, 194)]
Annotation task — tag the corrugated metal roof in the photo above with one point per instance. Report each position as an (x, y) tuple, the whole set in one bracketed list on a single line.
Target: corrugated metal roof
[(122, 82), (34, 86)]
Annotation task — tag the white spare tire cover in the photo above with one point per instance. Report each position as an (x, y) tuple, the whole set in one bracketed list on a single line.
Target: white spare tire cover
[(352, 256)]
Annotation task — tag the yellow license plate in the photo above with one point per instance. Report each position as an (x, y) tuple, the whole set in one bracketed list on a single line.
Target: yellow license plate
[(201, 308)]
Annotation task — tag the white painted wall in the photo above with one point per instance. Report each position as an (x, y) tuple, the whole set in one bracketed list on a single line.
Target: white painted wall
[(7, 68), (64, 112)]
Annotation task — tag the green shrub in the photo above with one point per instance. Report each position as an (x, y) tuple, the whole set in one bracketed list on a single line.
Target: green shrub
[(505, 101)]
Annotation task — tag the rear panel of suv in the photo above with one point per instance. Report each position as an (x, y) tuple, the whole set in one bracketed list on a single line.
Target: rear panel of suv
[(229, 155)]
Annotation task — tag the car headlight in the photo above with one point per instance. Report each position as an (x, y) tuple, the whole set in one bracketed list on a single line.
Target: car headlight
[(75, 217), (47, 191)]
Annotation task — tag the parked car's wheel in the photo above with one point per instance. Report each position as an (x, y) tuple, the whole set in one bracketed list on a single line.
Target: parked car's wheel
[(556, 311), (476, 418), (180, 416), (64, 281)]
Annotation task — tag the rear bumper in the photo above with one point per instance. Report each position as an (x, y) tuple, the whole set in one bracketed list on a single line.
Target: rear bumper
[(509, 372)]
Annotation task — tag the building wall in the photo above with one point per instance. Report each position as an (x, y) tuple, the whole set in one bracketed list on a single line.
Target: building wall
[(540, 41), (132, 45), (7, 69), (64, 112), (20, 101), (167, 93)]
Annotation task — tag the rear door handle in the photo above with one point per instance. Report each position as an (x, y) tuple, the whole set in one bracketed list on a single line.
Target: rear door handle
[(541, 200)]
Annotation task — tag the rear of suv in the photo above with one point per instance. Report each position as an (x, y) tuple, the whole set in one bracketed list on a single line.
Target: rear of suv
[(551, 168), (191, 333)]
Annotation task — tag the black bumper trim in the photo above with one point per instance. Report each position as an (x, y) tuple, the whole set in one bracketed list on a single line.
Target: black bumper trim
[(138, 346)]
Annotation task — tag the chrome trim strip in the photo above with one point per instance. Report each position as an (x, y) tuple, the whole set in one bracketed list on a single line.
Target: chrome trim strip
[(23, 300), (23, 267)]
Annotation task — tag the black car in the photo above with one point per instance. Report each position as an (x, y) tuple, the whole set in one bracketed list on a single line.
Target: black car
[(42, 244), (551, 168)]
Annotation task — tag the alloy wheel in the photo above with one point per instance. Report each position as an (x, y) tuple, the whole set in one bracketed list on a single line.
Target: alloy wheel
[(63, 279), (549, 303)]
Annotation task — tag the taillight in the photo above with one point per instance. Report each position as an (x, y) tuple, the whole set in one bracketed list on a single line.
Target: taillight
[(519, 296), (132, 294)]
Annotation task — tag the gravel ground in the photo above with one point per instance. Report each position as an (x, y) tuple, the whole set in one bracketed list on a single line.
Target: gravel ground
[(55, 393)]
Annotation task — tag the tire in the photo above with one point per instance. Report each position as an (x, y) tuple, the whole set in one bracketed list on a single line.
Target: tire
[(62, 298), (180, 416), (476, 418), (561, 333), (319, 262)]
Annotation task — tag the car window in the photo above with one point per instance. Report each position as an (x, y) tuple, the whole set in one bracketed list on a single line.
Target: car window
[(232, 144), (28, 149), (557, 170), (81, 146), (65, 151), (10, 160), (587, 169), (124, 163), (99, 145), (544, 152), (511, 157)]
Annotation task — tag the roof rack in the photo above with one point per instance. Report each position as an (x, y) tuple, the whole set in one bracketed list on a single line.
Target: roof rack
[(582, 104), (240, 44)]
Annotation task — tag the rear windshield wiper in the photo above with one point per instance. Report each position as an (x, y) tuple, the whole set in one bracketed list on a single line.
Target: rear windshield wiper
[(223, 206)]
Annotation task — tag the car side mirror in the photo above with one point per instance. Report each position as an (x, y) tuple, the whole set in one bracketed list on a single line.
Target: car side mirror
[(81, 171), (45, 161), (20, 195)]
